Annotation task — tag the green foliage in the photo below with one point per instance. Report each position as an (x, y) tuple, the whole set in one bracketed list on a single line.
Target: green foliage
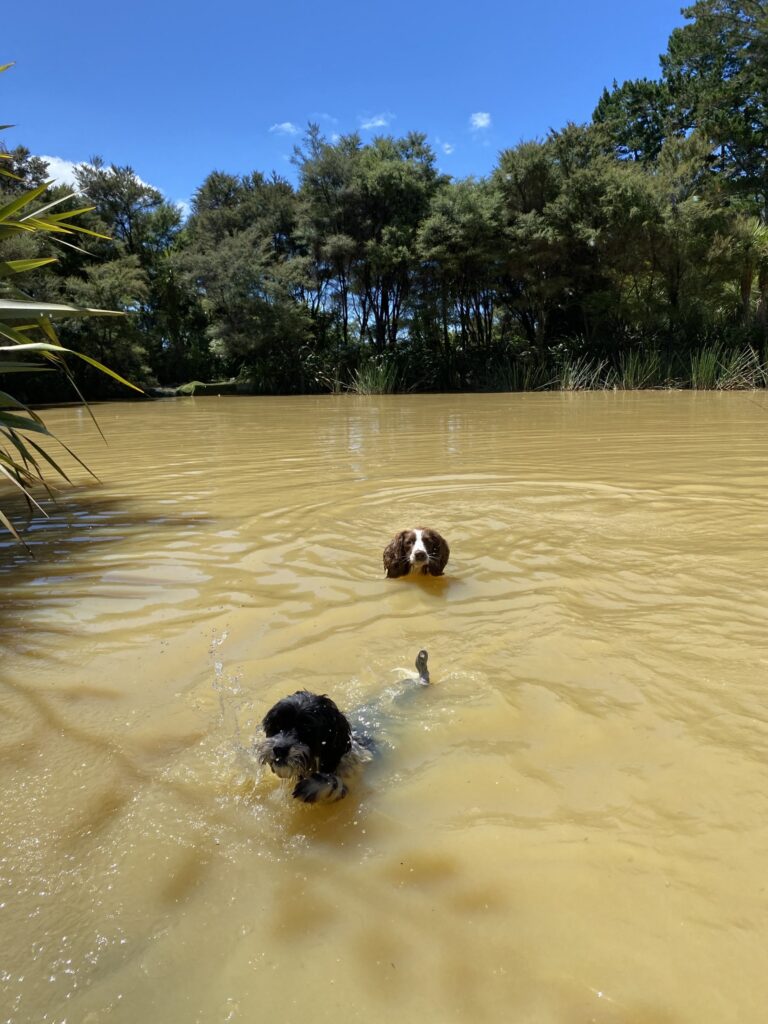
[(714, 367), (461, 245), (580, 373), (377, 376), (511, 374), (637, 369), (633, 119), (133, 273), (716, 68), (361, 208), (606, 254), (29, 327), (240, 256)]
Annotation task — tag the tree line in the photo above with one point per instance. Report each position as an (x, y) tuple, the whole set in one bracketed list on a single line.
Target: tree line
[(628, 251)]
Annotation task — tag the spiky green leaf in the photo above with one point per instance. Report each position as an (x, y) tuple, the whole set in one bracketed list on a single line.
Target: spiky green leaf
[(9, 267)]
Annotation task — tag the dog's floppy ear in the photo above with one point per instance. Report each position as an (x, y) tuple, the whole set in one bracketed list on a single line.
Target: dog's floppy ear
[(437, 562), (281, 717), (334, 736), (395, 559)]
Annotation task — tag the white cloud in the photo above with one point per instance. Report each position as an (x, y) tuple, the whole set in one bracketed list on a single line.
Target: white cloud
[(285, 128), (482, 119), (185, 207), (62, 171), (448, 148), (377, 121)]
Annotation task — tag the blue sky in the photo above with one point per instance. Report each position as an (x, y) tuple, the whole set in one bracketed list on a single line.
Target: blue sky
[(179, 89)]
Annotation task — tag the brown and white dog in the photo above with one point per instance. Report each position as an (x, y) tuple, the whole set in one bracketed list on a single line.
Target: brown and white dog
[(416, 551)]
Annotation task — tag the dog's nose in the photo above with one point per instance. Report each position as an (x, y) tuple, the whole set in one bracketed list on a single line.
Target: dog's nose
[(419, 556), (280, 753)]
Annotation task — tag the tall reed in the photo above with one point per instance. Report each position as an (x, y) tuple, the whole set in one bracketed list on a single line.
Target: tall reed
[(579, 373), (741, 370), (376, 377), (637, 369), (717, 368), (704, 368), (518, 375)]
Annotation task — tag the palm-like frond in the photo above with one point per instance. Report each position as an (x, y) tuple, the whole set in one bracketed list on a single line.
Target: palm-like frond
[(29, 327)]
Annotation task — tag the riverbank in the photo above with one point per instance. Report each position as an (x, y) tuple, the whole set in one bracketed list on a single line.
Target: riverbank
[(712, 368)]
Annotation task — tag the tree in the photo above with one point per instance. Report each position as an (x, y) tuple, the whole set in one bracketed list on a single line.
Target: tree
[(745, 252), (239, 253), (633, 119), (118, 284), (527, 180), (165, 337), (22, 171), (361, 210), (394, 183), (716, 71), (327, 227), (460, 246), (124, 204)]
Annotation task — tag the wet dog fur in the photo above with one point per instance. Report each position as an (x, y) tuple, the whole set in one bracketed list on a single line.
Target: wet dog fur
[(309, 741)]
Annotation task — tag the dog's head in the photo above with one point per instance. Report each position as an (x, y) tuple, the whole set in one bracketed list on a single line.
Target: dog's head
[(304, 733), (420, 550)]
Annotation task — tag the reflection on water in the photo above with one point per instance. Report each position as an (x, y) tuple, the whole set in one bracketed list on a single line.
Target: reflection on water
[(568, 826)]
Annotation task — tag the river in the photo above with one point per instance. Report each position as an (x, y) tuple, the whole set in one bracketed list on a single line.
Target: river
[(569, 825)]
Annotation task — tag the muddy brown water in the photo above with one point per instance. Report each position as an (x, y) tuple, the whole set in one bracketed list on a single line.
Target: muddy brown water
[(570, 825)]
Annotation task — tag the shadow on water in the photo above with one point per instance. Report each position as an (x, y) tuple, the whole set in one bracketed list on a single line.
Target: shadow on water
[(82, 516), (73, 550), (129, 769)]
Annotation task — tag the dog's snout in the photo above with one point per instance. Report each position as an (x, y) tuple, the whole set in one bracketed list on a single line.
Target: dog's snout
[(420, 556), (280, 751)]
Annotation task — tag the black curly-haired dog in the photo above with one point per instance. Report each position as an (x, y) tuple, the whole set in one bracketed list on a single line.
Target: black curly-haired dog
[(419, 551), (307, 739)]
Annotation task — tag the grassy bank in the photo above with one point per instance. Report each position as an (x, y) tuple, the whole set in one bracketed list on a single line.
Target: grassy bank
[(711, 368)]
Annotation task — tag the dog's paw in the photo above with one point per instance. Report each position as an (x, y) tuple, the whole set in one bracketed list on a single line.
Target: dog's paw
[(320, 788)]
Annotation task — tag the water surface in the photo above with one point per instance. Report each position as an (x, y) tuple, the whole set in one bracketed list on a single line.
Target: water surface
[(570, 825)]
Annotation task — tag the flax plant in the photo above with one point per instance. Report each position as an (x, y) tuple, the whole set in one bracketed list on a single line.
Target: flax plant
[(29, 343)]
